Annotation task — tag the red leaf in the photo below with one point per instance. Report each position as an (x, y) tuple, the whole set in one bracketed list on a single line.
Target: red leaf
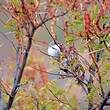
[(101, 11), (59, 1), (87, 21), (51, 12), (87, 1)]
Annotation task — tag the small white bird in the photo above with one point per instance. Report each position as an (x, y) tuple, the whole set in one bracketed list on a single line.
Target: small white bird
[(54, 51)]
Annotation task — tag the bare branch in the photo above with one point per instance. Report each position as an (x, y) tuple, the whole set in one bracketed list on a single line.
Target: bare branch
[(103, 103)]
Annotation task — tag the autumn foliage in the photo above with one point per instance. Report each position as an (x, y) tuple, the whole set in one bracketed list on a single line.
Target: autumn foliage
[(60, 55)]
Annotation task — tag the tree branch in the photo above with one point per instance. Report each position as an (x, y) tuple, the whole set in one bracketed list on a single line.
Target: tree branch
[(58, 98), (19, 76), (103, 103)]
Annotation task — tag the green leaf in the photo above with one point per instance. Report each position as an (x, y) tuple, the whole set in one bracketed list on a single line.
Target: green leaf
[(107, 66), (95, 11), (16, 2), (77, 25), (107, 39), (10, 25), (58, 91), (82, 48), (31, 2), (97, 46), (73, 101), (92, 92), (70, 39)]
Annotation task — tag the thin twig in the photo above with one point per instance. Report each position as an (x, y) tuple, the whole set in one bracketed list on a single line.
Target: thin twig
[(58, 98)]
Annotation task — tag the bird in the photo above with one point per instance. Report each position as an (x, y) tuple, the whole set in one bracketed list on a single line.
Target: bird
[(54, 51)]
